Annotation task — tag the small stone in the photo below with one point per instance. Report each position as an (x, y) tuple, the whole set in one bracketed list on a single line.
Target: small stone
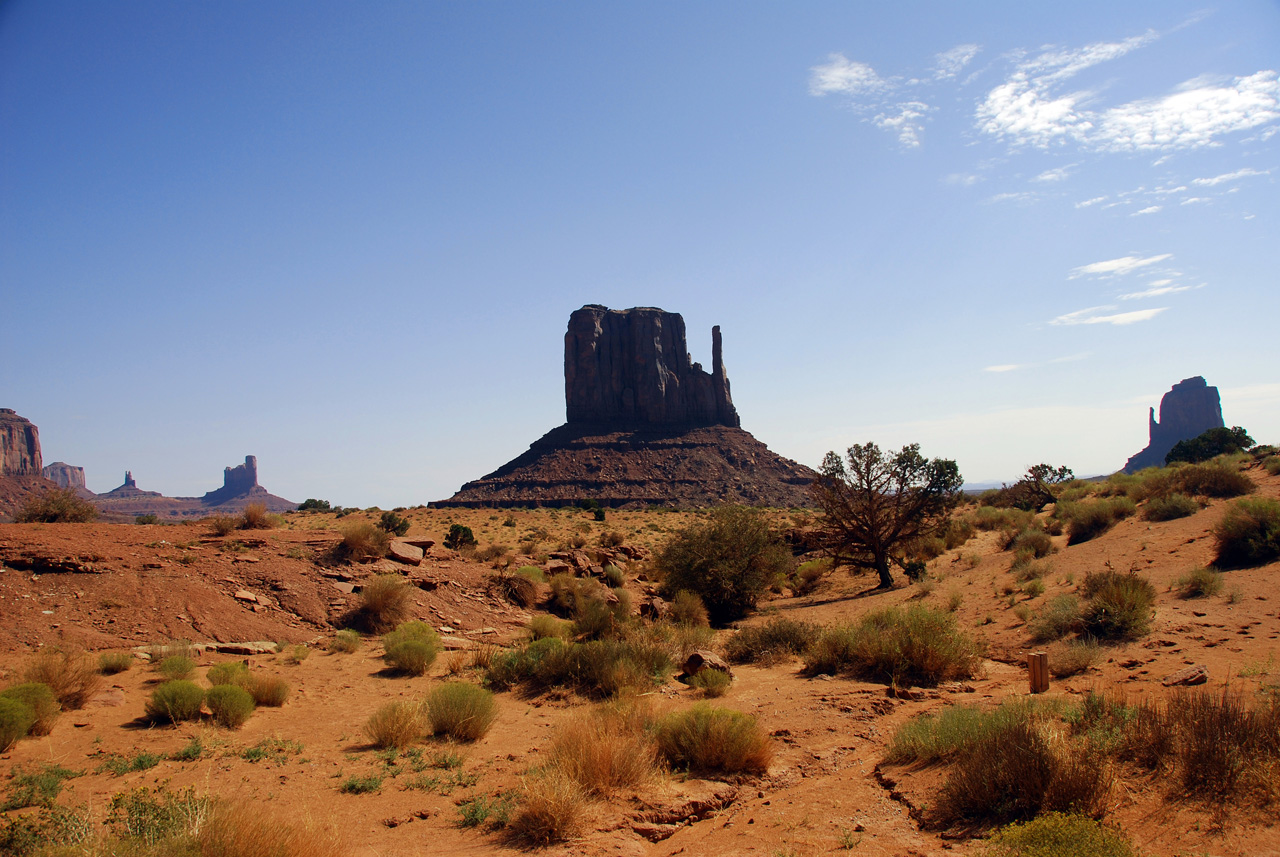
[(1198, 674), (246, 595)]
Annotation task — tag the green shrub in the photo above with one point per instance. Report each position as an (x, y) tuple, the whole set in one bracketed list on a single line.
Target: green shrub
[(175, 701), (532, 572), (357, 785), (810, 574), (1169, 508), (958, 531), (1057, 618), (1033, 588), (1199, 583), (1210, 444), (1211, 479), (992, 518), (918, 645), (930, 738), (1090, 519), (548, 626), (40, 699), (712, 683), (345, 641), (1119, 605), (614, 576), (1058, 834), (35, 788), (110, 663), (392, 523), (599, 668), (1272, 464), (713, 740), (58, 506), (176, 667), (269, 691), (461, 710), (396, 724), (770, 642), (362, 541), (16, 719), (412, 647), (146, 519), (1248, 534), (229, 672), (687, 609), (71, 675), (313, 505), (384, 603), (458, 537), (1034, 541), (728, 560), (230, 705)]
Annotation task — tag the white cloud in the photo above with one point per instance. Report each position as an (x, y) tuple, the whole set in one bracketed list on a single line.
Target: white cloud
[(1027, 108), (1020, 196), (1117, 267), (1102, 315), (1072, 358), (1229, 177), (950, 63), (963, 179), (1089, 202), (1003, 367), (1056, 174), (906, 122), (1157, 288), (1150, 209), (1192, 199), (844, 76)]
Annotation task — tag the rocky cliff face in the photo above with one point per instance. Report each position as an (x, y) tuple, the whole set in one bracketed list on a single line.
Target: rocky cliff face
[(19, 445), (65, 475), (1188, 410), (630, 369)]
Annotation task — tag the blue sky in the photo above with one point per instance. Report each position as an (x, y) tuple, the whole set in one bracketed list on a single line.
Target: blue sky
[(346, 238)]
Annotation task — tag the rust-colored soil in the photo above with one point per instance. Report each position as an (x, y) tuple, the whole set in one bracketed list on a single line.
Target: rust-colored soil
[(120, 586)]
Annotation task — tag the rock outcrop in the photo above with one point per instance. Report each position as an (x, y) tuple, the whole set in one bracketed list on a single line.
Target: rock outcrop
[(646, 426), (1188, 410), (19, 445), (237, 481), (65, 475)]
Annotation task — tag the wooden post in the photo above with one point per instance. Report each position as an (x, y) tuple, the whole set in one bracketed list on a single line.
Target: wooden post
[(1038, 671)]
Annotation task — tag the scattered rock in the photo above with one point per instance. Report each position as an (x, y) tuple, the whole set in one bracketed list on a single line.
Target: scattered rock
[(246, 595), (701, 659), (259, 647), (405, 552), (1198, 674)]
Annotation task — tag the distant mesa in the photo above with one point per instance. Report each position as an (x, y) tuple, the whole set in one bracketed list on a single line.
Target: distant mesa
[(240, 488), (645, 425), (67, 476), (1188, 410)]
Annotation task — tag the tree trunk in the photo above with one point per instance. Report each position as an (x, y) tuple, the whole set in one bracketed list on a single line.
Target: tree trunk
[(882, 569)]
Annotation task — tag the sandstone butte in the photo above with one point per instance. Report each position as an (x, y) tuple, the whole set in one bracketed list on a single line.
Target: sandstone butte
[(645, 426)]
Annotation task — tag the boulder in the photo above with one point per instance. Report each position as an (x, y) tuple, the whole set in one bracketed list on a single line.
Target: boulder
[(701, 659), (404, 552), (1198, 674), (655, 608)]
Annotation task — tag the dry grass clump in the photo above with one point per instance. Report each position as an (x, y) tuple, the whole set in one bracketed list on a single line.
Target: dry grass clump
[(229, 672), (1170, 508), (175, 701), (1089, 519), (256, 517), (1073, 657), (345, 641), (1218, 478), (111, 663), (268, 690), (1272, 464), (543, 626), (771, 642), (362, 541), (71, 675), (230, 705), (247, 829), (1119, 606), (1057, 618), (461, 710), (1032, 541), (1248, 534), (605, 749), (59, 506), (713, 740), (40, 699), (384, 603), (712, 683), (396, 724), (1058, 834), (411, 648), (687, 609), (918, 645), (176, 667), (516, 588), (1199, 583), (597, 668), (550, 808), (222, 525)]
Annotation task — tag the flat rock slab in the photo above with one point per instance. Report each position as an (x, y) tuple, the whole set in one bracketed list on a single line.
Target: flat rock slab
[(246, 595), (421, 544), (405, 553), (1198, 674), (454, 644), (259, 647)]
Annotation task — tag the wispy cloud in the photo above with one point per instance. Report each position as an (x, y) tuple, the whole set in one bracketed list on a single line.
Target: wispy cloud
[(1150, 209), (1159, 287), (950, 63), (1056, 174), (1116, 267), (840, 75), (1072, 358), (1193, 199), (1229, 177), (1003, 367), (904, 120), (1088, 202), (1104, 315), (1013, 196), (963, 179)]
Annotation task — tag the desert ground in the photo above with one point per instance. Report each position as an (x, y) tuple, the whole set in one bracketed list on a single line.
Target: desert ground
[(828, 789)]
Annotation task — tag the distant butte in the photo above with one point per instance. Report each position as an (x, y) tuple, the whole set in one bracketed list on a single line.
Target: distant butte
[(645, 425), (1188, 410)]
